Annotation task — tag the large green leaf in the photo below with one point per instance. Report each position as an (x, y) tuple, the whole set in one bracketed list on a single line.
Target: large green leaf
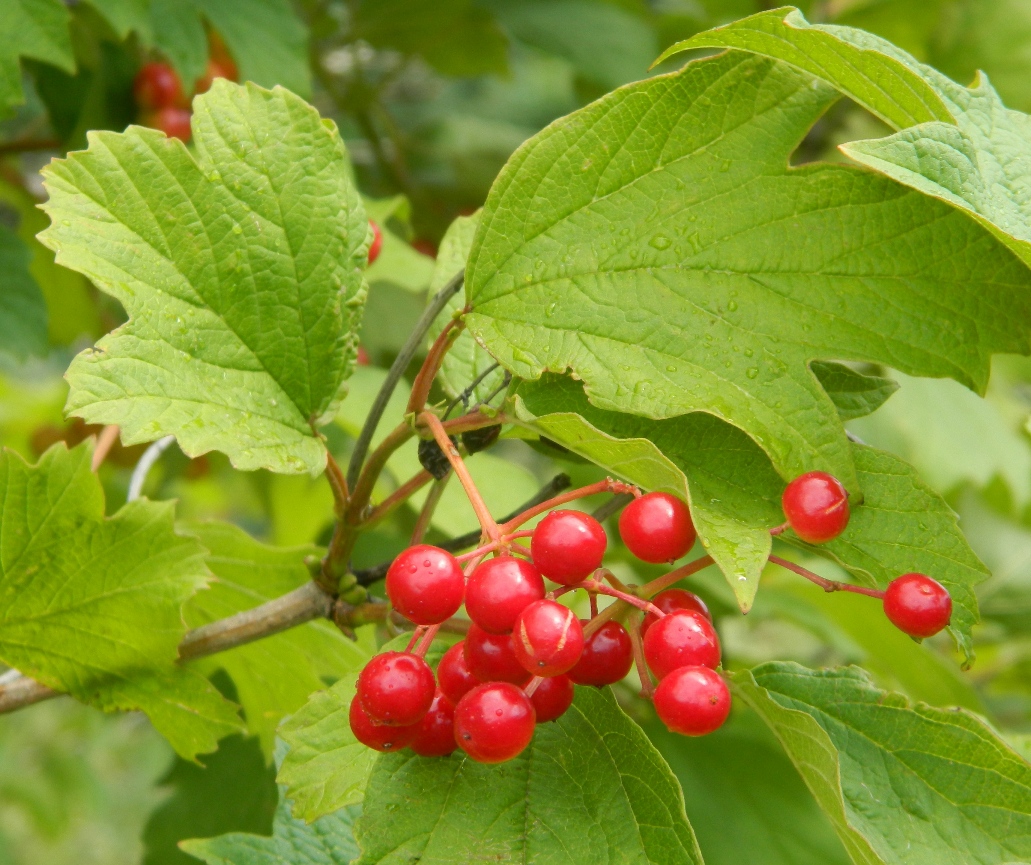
[(658, 244), (242, 267), (23, 312), (903, 784), (91, 605), (36, 29), (274, 676), (590, 788)]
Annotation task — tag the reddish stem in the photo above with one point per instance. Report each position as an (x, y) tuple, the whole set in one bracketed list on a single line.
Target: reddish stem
[(337, 483), (779, 530), (398, 497), (606, 486), (472, 421), (823, 583), (633, 600), (479, 552), (532, 685), (416, 636), (427, 641), (430, 367), (647, 685), (105, 441), (594, 603)]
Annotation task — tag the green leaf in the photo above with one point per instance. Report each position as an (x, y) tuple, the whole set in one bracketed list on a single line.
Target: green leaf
[(91, 605), (126, 16), (274, 676), (179, 35), (23, 312), (590, 788), (854, 394), (903, 784), (242, 267), (36, 29), (759, 810), (659, 246), (326, 768), (401, 264)]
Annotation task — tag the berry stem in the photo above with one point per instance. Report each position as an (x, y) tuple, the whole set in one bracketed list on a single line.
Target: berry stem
[(398, 497), (427, 640), (779, 530), (823, 583), (606, 486), (593, 596), (477, 419), (416, 636), (533, 685), (337, 483), (105, 441), (431, 366), (647, 685), (487, 524), (422, 524), (479, 552), (626, 597)]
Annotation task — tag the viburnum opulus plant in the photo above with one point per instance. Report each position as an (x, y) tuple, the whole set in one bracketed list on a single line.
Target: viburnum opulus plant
[(650, 287)]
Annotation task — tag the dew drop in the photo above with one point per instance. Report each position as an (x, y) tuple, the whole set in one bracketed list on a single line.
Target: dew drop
[(732, 306), (752, 371), (660, 241)]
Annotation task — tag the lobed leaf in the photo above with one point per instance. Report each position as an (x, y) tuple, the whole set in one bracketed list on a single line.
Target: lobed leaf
[(36, 29)]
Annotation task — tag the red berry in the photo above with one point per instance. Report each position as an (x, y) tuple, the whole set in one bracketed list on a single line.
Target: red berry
[(681, 639), (157, 86), (568, 546), (453, 674), (396, 688), (816, 506), (435, 734), (377, 242), (216, 68), (692, 701), (552, 697), (494, 722), (657, 528), (499, 590), (174, 122), (672, 600), (425, 584), (492, 657), (917, 605), (548, 638), (607, 657), (378, 736), (363, 357)]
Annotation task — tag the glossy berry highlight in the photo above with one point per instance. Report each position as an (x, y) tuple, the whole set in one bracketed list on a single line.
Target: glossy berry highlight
[(657, 527), (378, 736), (425, 584), (816, 507), (692, 701), (681, 639), (435, 733), (552, 697), (548, 638), (672, 600), (492, 657), (607, 657), (494, 722), (453, 674), (396, 688), (568, 546), (499, 590), (918, 605)]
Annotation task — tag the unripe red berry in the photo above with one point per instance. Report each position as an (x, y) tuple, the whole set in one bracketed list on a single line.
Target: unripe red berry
[(377, 242), (607, 657), (672, 600), (435, 734), (552, 697), (499, 590), (425, 584), (548, 638), (657, 528), (816, 506), (492, 657), (681, 639), (157, 86), (568, 546), (396, 688), (692, 701), (174, 122), (453, 675), (918, 605), (378, 736), (494, 722)]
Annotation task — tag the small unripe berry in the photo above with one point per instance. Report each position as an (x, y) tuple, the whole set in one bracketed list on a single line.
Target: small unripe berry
[(552, 697), (492, 657), (672, 600), (157, 86), (692, 701), (396, 688), (377, 242), (378, 736), (681, 639), (657, 528), (453, 675), (607, 657), (548, 638), (425, 584), (494, 722), (816, 507), (918, 605), (499, 590), (435, 734), (568, 546)]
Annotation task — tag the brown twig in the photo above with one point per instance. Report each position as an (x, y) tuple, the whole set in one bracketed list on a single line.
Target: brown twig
[(105, 441)]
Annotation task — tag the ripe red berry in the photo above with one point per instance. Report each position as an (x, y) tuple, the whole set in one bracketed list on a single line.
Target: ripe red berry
[(435, 734), (552, 697), (174, 122), (568, 546), (492, 657), (816, 505), (494, 722), (425, 584), (362, 358), (378, 736), (548, 638), (499, 590), (672, 600), (216, 68), (917, 605), (396, 688), (377, 242), (453, 674), (681, 639), (657, 528), (607, 657), (692, 701), (157, 86)]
